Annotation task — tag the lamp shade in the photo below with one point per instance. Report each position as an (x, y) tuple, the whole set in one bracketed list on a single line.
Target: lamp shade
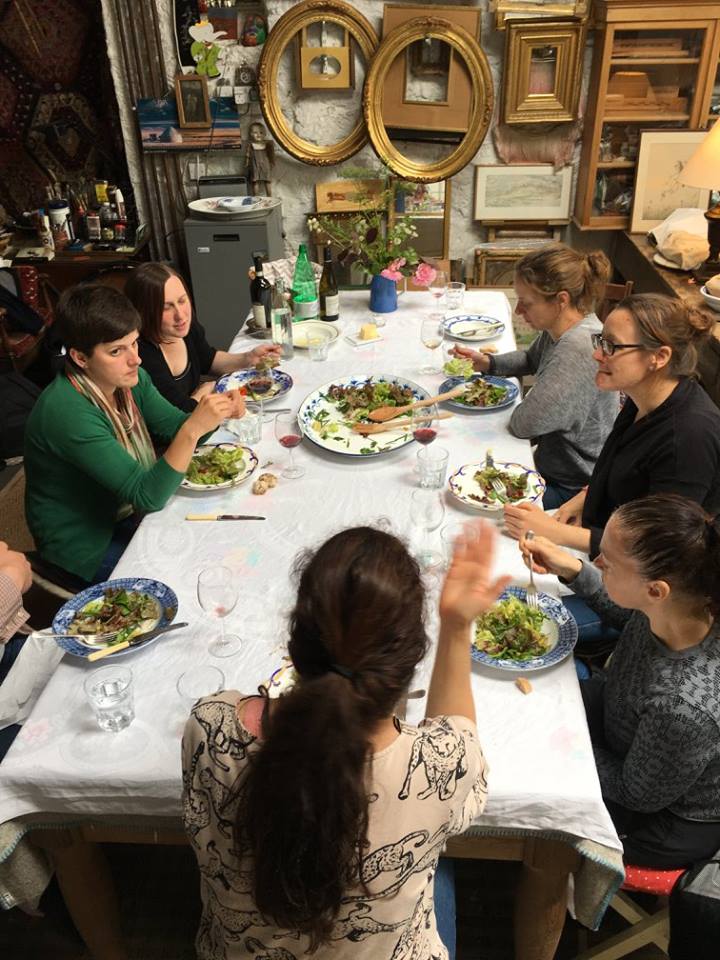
[(703, 167)]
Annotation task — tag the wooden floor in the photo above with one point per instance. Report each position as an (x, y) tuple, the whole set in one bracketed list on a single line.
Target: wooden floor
[(158, 892)]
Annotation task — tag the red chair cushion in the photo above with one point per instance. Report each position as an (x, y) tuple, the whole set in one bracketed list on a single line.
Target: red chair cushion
[(650, 880)]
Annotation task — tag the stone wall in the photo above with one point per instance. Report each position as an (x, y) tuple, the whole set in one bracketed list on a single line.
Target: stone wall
[(324, 119)]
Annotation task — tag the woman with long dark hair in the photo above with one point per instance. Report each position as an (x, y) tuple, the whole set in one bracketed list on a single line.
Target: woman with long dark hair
[(318, 818), (654, 713)]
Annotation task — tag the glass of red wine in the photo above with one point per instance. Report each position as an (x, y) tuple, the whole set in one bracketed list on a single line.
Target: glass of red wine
[(426, 431), (258, 387), (289, 435)]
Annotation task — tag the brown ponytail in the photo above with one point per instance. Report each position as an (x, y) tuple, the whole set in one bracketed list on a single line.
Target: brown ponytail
[(556, 267), (356, 636), (667, 321), (672, 538)]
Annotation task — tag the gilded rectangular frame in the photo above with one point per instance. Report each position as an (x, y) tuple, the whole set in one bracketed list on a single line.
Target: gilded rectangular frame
[(508, 10), (191, 91), (522, 39)]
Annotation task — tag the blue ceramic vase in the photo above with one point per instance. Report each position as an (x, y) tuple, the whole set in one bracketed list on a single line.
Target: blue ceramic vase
[(383, 295)]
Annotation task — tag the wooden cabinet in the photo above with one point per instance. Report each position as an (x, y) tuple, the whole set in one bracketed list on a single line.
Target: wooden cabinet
[(655, 67)]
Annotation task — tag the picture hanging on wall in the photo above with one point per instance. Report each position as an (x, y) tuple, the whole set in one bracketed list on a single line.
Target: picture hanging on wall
[(658, 186), (524, 192)]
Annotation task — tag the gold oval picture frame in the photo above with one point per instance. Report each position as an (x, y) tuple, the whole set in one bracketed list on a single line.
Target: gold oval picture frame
[(290, 24), (467, 47)]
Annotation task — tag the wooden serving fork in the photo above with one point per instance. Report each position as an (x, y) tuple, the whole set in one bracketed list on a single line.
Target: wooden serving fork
[(388, 413), (366, 428)]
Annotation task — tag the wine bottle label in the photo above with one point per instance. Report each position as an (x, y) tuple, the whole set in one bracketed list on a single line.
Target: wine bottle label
[(332, 307), (258, 311), (304, 309)]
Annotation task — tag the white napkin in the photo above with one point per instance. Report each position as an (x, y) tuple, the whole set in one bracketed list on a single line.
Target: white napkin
[(26, 680)]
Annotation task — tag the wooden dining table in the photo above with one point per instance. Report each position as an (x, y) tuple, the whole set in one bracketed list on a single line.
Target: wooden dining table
[(82, 785)]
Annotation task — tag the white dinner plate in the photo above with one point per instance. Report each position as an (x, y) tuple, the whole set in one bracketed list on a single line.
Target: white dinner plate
[(305, 329)]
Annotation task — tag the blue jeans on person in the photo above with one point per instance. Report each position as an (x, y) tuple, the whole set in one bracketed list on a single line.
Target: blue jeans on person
[(444, 903), (591, 630), (556, 494), (8, 655), (123, 534)]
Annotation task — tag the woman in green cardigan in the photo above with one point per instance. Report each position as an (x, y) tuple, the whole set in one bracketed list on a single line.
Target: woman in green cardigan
[(89, 461)]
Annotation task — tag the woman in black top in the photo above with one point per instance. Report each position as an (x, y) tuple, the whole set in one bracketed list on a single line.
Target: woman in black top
[(666, 438), (173, 348)]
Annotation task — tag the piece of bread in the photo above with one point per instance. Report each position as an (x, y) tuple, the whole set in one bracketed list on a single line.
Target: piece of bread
[(523, 685), (713, 286), (260, 486), (269, 479)]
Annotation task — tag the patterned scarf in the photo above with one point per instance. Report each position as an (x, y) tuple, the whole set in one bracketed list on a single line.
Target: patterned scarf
[(126, 420)]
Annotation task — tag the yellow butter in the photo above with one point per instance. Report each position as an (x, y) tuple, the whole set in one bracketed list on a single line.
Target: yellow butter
[(368, 331)]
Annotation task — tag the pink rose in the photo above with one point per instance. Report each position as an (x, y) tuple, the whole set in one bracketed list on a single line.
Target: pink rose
[(392, 270), (424, 274)]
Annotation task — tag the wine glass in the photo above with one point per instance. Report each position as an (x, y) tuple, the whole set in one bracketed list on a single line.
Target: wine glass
[(426, 432), (261, 386), (432, 334), (289, 435), (427, 511), (438, 285), (217, 595)]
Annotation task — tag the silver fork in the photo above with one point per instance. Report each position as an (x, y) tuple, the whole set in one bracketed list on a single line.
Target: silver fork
[(499, 488), (531, 594)]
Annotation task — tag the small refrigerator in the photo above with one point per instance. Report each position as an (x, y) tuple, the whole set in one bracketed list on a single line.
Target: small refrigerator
[(220, 252)]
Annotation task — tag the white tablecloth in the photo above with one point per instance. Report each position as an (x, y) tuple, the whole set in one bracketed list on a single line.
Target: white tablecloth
[(542, 774)]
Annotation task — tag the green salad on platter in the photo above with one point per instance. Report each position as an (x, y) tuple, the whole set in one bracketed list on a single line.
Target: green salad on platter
[(459, 367), (126, 611), (515, 485), (511, 631), (217, 465)]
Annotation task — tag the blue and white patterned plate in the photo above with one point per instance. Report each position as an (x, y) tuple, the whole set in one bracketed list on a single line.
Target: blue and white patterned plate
[(335, 435), (66, 614), (512, 392), (472, 327), (282, 383), (560, 628), (465, 488), (250, 462)]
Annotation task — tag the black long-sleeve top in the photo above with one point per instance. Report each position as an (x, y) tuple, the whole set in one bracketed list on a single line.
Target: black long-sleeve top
[(178, 389), (673, 449)]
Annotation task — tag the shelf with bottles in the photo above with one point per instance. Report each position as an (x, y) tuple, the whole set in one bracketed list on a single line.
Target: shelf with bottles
[(613, 194), (620, 141)]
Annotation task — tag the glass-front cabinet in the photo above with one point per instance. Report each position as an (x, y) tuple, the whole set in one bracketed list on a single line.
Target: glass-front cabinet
[(654, 67)]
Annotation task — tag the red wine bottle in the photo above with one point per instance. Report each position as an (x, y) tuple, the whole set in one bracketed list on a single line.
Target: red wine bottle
[(261, 296)]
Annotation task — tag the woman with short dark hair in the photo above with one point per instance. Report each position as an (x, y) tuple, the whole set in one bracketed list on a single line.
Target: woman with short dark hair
[(318, 818), (173, 347), (90, 465)]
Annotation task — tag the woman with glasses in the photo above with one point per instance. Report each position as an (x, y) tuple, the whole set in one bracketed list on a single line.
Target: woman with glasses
[(565, 413), (666, 438)]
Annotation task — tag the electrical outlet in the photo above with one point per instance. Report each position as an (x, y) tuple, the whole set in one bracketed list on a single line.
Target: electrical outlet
[(196, 169), (241, 94)]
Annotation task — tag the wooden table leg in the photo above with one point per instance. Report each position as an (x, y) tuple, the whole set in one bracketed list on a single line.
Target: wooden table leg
[(541, 898), (88, 890)]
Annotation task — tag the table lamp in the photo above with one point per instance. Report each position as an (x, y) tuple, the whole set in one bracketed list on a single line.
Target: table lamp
[(703, 170)]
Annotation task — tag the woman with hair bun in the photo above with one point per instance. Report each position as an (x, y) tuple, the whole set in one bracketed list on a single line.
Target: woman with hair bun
[(318, 818), (666, 438), (565, 413), (654, 714)]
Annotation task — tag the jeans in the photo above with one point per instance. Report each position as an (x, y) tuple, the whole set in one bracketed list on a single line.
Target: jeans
[(123, 534), (556, 494), (444, 902), (591, 631)]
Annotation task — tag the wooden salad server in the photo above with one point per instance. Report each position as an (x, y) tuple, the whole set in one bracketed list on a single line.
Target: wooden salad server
[(366, 428), (388, 413)]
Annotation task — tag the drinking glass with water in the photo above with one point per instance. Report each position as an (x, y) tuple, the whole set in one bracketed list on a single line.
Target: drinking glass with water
[(110, 693)]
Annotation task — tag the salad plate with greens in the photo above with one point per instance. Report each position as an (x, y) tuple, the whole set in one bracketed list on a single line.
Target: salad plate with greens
[(327, 415), (472, 485), (484, 394), (217, 466), (512, 636), (472, 327)]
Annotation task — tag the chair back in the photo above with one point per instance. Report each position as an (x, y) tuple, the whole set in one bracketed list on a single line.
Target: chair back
[(612, 295)]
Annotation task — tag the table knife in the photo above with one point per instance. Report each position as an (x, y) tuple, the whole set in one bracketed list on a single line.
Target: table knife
[(222, 516), (141, 638)]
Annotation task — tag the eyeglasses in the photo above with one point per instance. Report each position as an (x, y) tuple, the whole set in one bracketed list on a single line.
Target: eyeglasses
[(608, 347)]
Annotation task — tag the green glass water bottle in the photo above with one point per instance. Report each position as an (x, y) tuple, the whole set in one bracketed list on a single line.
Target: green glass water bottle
[(306, 305)]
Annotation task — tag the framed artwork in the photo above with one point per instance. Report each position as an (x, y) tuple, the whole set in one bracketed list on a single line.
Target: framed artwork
[(507, 10), (543, 70), (525, 192), (348, 196), (658, 185), (193, 103)]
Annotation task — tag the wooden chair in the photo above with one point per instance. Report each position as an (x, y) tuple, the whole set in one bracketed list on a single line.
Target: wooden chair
[(614, 293), (644, 927)]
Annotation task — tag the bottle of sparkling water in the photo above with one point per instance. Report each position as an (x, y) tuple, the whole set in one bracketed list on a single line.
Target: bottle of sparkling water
[(306, 305)]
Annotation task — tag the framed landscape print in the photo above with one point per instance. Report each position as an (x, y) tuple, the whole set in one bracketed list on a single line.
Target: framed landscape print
[(658, 180), (523, 192)]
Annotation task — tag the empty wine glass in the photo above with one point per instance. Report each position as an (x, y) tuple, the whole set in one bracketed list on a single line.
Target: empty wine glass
[(217, 594), (438, 285), (427, 511), (289, 435), (432, 334)]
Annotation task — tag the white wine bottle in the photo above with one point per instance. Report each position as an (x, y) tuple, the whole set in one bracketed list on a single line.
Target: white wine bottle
[(329, 298)]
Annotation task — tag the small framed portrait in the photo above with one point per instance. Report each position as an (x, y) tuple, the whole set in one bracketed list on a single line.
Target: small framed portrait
[(193, 103)]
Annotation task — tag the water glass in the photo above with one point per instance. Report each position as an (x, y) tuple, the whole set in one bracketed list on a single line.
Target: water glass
[(432, 465), (247, 429), (318, 345), (450, 533), (427, 511), (110, 693), (198, 682), (454, 295)]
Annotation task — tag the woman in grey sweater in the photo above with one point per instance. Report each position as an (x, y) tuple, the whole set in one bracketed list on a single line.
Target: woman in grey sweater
[(565, 413), (654, 713)]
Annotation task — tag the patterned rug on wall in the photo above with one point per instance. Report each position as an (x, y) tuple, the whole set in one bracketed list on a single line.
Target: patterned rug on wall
[(58, 113)]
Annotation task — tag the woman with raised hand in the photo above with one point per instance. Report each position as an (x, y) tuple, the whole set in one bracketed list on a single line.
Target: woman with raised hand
[(666, 438), (654, 713), (173, 347), (90, 467), (565, 413), (318, 818)]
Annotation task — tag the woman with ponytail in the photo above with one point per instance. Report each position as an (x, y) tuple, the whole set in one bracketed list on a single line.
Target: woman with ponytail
[(565, 413), (654, 714), (318, 818)]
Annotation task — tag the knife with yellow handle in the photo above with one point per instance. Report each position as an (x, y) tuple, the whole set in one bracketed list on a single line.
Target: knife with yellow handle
[(140, 638)]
